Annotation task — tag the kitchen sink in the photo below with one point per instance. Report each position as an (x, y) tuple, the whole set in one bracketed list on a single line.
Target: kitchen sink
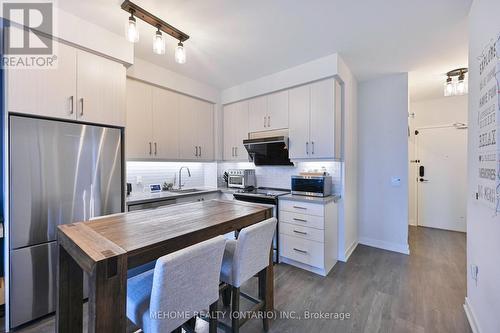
[(187, 190)]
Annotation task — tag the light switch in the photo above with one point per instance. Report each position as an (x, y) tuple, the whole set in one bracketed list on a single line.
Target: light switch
[(395, 181)]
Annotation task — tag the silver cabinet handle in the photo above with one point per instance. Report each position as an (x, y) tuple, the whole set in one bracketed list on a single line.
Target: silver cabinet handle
[(312, 143), (300, 220), (268, 121), (150, 149), (81, 107), (200, 151), (300, 232), (71, 108), (265, 121), (307, 148), (298, 207), (195, 150), (236, 151), (156, 150), (299, 250), (232, 151)]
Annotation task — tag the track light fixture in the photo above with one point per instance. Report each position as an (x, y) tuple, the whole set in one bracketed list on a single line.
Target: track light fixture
[(161, 26)]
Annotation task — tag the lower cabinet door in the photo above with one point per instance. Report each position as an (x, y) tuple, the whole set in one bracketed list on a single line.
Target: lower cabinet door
[(33, 272), (302, 250)]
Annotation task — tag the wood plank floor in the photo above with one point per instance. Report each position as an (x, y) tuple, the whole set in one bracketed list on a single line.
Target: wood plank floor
[(382, 291)]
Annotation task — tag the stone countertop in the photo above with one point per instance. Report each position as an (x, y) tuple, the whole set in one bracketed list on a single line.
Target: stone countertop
[(303, 198), (136, 198)]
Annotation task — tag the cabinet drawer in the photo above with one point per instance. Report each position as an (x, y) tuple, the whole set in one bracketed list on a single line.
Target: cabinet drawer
[(302, 207), (304, 220), (302, 250), (302, 232)]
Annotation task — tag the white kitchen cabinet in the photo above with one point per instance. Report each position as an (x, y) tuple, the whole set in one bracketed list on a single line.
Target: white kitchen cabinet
[(196, 140), (299, 117), (139, 132), (100, 90), (83, 87), (315, 121), (45, 92), (308, 234), (268, 112), (235, 131), (165, 122), (277, 110)]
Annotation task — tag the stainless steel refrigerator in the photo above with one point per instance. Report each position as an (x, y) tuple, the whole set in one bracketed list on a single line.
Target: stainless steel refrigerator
[(60, 172)]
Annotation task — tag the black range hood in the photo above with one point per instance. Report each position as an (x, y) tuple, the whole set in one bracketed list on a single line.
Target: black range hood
[(268, 150)]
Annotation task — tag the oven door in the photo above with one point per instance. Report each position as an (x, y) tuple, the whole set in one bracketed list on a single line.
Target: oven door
[(236, 181)]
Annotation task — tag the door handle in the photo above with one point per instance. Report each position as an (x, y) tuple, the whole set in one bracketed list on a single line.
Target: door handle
[(236, 151), (265, 121), (81, 107), (421, 171), (156, 150), (268, 121), (422, 180), (71, 108), (312, 143), (307, 148), (195, 150), (200, 151), (150, 149)]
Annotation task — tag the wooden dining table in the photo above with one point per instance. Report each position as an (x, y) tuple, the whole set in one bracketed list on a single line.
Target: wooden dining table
[(107, 247)]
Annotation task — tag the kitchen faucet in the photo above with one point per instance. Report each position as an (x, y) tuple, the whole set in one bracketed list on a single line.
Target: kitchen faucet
[(180, 175)]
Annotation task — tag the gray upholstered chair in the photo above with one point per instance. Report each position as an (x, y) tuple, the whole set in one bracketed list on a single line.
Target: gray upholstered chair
[(244, 258), (183, 282)]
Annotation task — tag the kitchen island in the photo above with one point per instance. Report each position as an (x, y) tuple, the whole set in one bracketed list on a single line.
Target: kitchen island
[(107, 247)]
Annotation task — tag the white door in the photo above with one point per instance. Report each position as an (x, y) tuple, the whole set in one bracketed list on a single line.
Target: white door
[(165, 124), (442, 193), (322, 125), (45, 92), (257, 114), (138, 133), (100, 90), (299, 117), (277, 110)]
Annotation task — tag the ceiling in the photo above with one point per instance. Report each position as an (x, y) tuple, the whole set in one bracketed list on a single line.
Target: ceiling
[(234, 41)]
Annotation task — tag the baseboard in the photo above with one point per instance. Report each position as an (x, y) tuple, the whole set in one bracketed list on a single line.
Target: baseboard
[(349, 251), (412, 222), (401, 248), (470, 316)]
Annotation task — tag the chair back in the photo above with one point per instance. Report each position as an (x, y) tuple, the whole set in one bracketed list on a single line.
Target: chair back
[(185, 282), (252, 250)]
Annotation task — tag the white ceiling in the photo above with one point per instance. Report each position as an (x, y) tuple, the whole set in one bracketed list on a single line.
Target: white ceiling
[(234, 41)]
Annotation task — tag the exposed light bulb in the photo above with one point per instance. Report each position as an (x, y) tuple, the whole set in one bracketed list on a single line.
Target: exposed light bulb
[(461, 87), (132, 32), (180, 54), (158, 43)]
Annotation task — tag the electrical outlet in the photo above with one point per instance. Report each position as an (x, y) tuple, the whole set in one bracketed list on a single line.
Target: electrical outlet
[(474, 271)]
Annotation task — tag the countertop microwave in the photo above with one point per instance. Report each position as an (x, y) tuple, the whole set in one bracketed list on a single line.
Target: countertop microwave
[(313, 186)]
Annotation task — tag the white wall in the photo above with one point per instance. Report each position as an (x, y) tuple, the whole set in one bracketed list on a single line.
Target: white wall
[(483, 227), (383, 154), (430, 112)]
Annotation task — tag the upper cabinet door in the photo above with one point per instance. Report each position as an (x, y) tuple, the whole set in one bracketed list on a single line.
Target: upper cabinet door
[(100, 90), (138, 133), (299, 146), (257, 114), (205, 130), (322, 125), (47, 92), (188, 136), (229, 134), (165, 124), (277, 110), (241, 130)]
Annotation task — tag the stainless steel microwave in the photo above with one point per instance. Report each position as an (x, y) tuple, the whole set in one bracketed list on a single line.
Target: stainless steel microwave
[(313, 186)]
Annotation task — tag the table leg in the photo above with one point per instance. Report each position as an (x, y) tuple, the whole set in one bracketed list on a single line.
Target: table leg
[(69, 314), (108, 295)]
